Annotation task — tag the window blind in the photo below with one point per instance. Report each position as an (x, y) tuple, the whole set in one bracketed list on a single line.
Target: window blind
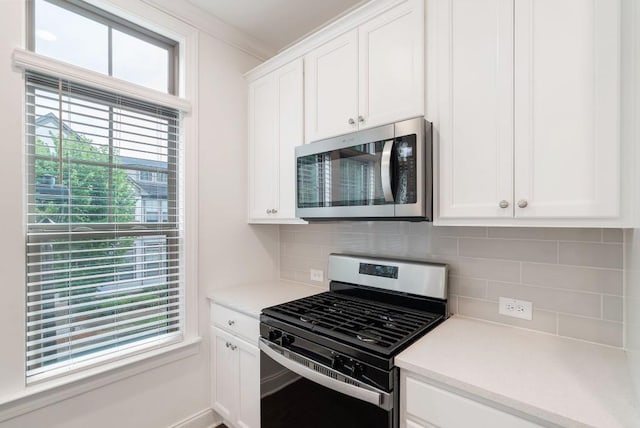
[(104, 224)]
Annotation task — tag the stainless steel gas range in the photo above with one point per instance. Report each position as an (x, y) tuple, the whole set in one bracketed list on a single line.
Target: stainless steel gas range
[(328, 360)]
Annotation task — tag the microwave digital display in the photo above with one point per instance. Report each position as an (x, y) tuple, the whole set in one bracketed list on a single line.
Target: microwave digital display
[(379, 270)]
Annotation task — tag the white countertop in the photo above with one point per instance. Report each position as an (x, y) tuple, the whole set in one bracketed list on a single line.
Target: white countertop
[(252, 298), (564, 381)]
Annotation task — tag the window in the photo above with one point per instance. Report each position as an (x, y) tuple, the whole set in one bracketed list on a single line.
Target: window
[(146, 176), (107, 44), (104, 241)]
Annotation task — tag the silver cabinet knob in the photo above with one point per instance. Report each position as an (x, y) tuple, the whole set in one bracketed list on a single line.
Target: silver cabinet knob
[(351, 121), (233, 347), (269, 211), (360, 118), (274, 211), (231, 322), (227, 344), (503, 204), (522, 203)]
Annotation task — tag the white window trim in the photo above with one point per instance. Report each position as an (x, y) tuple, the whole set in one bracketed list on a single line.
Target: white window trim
[(32, 397), (49, 392), (27, 60)]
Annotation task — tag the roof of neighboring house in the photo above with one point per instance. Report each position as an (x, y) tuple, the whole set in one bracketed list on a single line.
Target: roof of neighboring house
[(152, 190), (50, 121)]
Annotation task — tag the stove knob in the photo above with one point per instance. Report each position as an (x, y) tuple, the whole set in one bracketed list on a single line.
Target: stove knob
[(338, 362), (286, 340), (358, 370), (274, 335)]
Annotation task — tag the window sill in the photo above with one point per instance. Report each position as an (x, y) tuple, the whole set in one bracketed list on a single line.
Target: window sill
[(50, 392)]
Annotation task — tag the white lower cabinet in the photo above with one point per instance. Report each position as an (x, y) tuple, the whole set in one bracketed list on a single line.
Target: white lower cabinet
[(424, 405), (235, 379)]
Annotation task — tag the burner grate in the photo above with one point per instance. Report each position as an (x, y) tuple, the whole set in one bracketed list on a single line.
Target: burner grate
[(367, 324)]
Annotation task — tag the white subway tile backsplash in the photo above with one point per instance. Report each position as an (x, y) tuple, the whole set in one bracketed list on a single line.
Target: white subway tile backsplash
[(593, 330), (482, 309), (612, 235), (593, 255), (607, 281), (572, 302), (612, 308), (572, 276), (462, 231), (509, 249), (468, 287), (499, 270), (546, 233)]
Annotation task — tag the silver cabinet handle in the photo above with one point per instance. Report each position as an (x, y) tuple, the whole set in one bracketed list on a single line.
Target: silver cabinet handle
[(231, 322), (269, 211), (274, 211), (351, 121), (385, 171), (503, 204), (522, 203), (227, 344), (233, 347), (361, 119), (325, 376)]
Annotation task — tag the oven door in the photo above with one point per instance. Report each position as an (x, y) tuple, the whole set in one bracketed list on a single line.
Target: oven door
[(296, 391)]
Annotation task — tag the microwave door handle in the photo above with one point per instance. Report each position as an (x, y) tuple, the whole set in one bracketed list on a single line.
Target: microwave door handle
[(373, 396), (385, 171)]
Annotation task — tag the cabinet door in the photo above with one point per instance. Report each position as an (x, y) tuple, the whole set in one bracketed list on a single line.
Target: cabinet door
[(290, 134), (391, 65), (331, 88), (224, 375), (248, 415), (567, 108), (473, 124), (445, 409), (263, 121)]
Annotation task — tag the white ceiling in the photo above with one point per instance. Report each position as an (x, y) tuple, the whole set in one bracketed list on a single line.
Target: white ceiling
[(277, 23)]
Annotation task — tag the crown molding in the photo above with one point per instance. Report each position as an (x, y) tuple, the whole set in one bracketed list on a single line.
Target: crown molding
[(214, 26), (346, 22)]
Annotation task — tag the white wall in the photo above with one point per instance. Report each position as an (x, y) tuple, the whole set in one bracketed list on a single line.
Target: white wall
[(230, 251)]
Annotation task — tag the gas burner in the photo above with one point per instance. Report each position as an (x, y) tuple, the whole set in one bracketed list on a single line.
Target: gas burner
[(369, 336), (309, 319)]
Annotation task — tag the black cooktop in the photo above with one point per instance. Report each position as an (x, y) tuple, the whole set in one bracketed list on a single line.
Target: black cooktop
[(374, 326)]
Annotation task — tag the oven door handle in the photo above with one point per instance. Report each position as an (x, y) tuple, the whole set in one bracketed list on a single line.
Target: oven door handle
[(359, 391)]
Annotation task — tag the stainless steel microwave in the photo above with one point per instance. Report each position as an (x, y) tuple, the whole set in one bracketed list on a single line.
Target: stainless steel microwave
[(382, 173)]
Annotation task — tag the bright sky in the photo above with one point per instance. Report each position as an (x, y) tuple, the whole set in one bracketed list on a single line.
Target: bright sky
[(72, 38)]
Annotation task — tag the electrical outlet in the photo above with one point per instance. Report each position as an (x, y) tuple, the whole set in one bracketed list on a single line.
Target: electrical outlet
[(317, 275), (515, 308)]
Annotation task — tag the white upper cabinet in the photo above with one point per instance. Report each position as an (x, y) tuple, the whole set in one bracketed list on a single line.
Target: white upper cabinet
[(331, 88), (527, 111), (262, 146), (567, 110), (475, 104), (275, 128), (391, 66), (368, 76)]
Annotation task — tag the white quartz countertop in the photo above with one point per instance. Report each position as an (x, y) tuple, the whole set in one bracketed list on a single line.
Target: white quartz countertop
[(562, 381), (252, 298)]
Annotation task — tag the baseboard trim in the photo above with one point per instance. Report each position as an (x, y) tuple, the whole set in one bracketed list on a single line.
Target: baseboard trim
[(206, 418)]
